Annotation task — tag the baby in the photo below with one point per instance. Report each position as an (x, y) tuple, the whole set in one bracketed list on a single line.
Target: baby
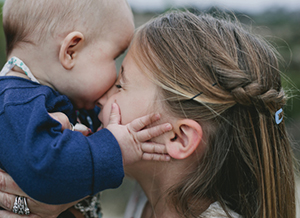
[(61, 57)]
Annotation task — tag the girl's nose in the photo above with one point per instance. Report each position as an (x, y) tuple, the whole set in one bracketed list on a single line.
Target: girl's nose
[(102, 101)]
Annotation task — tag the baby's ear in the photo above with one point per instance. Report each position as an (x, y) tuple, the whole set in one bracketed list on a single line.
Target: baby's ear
[(186, 137), (69, 49)]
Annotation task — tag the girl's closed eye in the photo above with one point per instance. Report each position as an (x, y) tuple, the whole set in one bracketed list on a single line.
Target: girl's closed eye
[(119, 82), (118, 86)]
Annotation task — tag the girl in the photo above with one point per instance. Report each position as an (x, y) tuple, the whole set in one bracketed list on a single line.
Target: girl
[(220, 88)]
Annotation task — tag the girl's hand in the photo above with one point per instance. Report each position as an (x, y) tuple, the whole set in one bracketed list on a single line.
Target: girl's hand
[(9, 190)]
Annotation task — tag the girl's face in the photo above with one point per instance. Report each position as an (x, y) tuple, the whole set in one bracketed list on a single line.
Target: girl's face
[(133, 92)]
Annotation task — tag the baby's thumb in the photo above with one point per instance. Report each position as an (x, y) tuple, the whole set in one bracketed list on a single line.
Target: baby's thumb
[(115, 116)]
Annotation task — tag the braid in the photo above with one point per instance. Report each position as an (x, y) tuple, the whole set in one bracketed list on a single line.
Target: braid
[(254, 94)]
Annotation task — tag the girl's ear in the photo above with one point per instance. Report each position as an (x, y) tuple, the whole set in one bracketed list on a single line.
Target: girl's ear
[(71, 45), (186, 137)]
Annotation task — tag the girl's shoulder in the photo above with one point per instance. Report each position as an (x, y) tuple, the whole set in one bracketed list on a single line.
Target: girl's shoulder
[(136, 203), (215, 210)]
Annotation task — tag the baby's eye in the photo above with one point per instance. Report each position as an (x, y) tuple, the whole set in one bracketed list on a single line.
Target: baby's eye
[(118, 86)]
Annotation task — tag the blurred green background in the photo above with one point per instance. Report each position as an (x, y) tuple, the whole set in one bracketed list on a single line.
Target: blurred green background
[(278, 26)]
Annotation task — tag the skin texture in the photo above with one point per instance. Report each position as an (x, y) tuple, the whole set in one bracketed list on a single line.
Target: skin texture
[(133, 92)]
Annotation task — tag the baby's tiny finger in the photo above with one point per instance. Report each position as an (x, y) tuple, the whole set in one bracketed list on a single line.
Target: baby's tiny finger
[(144, 121), (154, 148), (156, 157), (153, 132)]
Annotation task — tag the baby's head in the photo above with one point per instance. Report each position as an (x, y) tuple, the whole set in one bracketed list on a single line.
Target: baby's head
[(35, 21), (83, 36), (215, 72)]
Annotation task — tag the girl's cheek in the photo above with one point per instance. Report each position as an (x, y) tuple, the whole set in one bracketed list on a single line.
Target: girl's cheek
[(106, 115)]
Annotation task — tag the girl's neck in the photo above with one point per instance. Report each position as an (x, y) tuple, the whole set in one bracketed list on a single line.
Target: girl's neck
[(155, 180), (156, 183)]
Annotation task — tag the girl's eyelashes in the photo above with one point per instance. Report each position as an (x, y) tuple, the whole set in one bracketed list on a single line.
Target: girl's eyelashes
[(118, 86)]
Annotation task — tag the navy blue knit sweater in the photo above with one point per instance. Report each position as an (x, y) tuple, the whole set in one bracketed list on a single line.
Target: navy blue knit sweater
[(49, 165)]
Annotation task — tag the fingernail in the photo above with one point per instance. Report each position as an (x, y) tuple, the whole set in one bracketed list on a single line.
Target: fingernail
[(168, 126), (157, 116)]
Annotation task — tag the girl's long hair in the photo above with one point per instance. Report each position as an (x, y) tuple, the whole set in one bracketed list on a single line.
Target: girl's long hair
[(215, 72)]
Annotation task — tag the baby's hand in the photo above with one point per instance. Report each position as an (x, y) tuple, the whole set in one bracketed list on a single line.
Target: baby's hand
[(63, 119), (65, 123), (134, 139)]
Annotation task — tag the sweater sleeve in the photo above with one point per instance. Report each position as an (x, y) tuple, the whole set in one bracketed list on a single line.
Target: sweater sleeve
[(56, 167)]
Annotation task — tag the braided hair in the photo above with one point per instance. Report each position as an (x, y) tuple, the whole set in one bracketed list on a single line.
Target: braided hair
[(214, 71)]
